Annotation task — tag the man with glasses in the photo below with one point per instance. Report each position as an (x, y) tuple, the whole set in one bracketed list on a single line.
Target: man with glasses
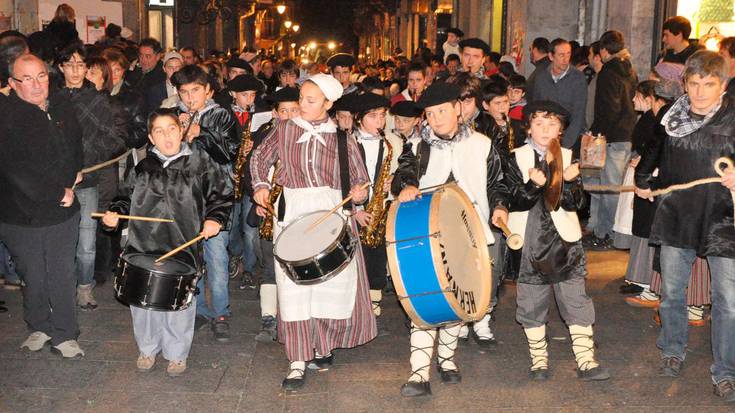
[(40, 161), (103, 136)]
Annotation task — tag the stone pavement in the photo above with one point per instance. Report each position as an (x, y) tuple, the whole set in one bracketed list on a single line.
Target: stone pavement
[(245, 376)]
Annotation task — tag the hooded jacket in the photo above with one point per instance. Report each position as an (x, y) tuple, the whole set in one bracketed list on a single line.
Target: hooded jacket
[(614, 111)]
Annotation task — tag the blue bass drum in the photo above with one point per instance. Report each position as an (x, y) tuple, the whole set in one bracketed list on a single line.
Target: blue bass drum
[(438, 258)]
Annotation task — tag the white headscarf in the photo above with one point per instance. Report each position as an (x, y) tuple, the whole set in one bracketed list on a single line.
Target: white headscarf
[(330, 86)]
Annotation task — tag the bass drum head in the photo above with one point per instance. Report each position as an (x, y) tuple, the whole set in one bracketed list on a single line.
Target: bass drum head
[(170, 266), (295, 244), (461, 257)]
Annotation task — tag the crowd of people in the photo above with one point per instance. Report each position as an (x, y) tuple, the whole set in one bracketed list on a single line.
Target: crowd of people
[(237, 146)]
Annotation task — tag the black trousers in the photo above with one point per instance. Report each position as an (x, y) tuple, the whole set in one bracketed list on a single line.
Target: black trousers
[(107, 242), (375, 262), (44, 257)]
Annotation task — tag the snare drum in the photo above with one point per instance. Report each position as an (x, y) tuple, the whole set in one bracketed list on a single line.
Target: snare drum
[(314, 256), (438, 258), (169, 285)]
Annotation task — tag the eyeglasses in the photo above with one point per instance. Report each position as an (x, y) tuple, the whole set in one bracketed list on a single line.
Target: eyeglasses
[(28, 80)]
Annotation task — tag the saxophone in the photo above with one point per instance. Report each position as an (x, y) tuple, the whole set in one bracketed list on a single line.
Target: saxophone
[(242, 154), (374, 234), (266, 226), (511, 137)]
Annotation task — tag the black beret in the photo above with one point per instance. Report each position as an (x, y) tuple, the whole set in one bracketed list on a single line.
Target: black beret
[(368, 101), (547, 106), (406, 108), (345, 103), (286, 94), (456, 32), (341, 59), (243, 83), (239, 63), (438, 93), (475, 43)]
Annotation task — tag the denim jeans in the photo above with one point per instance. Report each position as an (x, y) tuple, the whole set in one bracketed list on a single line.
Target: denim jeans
[(86, 247), (603, 206), (676, 266), (243, 237), (215, 258), (7, 266)]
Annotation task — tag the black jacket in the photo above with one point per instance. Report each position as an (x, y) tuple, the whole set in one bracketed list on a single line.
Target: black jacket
[(219, 134), (154, 95), (540, 65), (142, 82), (103, 136), (486, 125), (41, 155), (614, 110), (648, 136), (130, 108), (699, 218), (190, 190)]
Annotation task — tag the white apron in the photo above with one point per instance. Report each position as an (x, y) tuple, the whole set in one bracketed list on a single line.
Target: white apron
[(333, 299), (624, 212)]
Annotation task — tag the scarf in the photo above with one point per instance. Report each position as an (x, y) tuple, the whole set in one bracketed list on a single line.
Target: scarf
[(679, 122), (311, 131), (185, 150), (428, 135)]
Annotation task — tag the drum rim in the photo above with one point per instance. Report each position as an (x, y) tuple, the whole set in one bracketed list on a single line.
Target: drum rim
[(157, 272), (329, 248), (438, 265), (330, 274)]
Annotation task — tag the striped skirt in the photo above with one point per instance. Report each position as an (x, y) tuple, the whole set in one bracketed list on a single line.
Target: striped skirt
[(302, 337), (699, 291)]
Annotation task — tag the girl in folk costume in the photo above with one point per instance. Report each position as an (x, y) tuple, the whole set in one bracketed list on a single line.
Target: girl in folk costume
[(453, 152), (552, 257), (173, 171), (315, 319), (375, 146)]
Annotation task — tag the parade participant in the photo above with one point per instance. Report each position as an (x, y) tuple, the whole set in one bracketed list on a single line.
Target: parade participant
[(406, 119), (697, 221), (340, 66), (156, 187), (336, 313), (285, 106), (288, 74), (517, 94), (244, 90), (39, 216), (376, 146), (469, 94), (214, 129), (456, 152), (552, 257), (416, 84), (473, 52), (451, 46), (103, 137)]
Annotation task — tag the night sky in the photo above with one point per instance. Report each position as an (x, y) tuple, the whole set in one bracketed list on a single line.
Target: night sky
[(324, 20)]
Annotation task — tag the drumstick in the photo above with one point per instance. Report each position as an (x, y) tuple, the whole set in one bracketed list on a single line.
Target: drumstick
[(333, 210), (179, 248), (133, 217), (514, 241)]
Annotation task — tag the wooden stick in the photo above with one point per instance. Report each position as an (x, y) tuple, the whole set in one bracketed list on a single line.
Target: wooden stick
[(133, 217), (179, 248), (514, 241), (333, 210), (106, 163), (503, 227)]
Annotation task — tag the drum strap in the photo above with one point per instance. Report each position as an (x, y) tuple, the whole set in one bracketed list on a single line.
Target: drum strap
[(423, 151), (344, 164)]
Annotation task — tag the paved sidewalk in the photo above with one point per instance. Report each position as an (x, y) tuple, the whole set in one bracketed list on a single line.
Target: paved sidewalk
[(245, 376)]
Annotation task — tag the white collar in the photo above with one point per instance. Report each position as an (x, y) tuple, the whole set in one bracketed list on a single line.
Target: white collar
[(311, 131)]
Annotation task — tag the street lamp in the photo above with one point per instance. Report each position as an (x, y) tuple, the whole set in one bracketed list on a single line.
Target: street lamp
[(312, 45), (288, 24), (331, 46), (295, 28), (281, 8)]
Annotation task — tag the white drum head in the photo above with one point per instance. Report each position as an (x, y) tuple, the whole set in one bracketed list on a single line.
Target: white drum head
[(295, 243)]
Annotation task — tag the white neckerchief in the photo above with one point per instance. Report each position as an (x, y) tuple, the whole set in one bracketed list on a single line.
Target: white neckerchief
[(311, 131)]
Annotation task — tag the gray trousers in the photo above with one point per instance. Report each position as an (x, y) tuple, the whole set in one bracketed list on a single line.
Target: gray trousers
[(169, 331), (266, 256), (534, 300)]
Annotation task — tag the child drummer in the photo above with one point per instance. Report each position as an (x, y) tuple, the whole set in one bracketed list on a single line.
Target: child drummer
[(456, 153), (552, 257), (176, 181)]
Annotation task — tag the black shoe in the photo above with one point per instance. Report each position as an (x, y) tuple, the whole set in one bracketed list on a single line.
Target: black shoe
[(630, 289), (601, 244), (670, 367), (234, 267), (268, 330), (221, 329), (483, 341), (415, 389), (539, 374), (321, 363), (293, 383), (248, 282), (449, 376), (598, 373), (3, 309), (726, 390), (200, 322)]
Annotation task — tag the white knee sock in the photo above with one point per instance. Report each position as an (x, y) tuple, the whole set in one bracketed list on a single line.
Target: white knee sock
[(695, 312), (538, 347), (422, 348), (482, 328), (445, 348), (375, 297), (296, 369), (464, 331), (583, 346), (268, 300)]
